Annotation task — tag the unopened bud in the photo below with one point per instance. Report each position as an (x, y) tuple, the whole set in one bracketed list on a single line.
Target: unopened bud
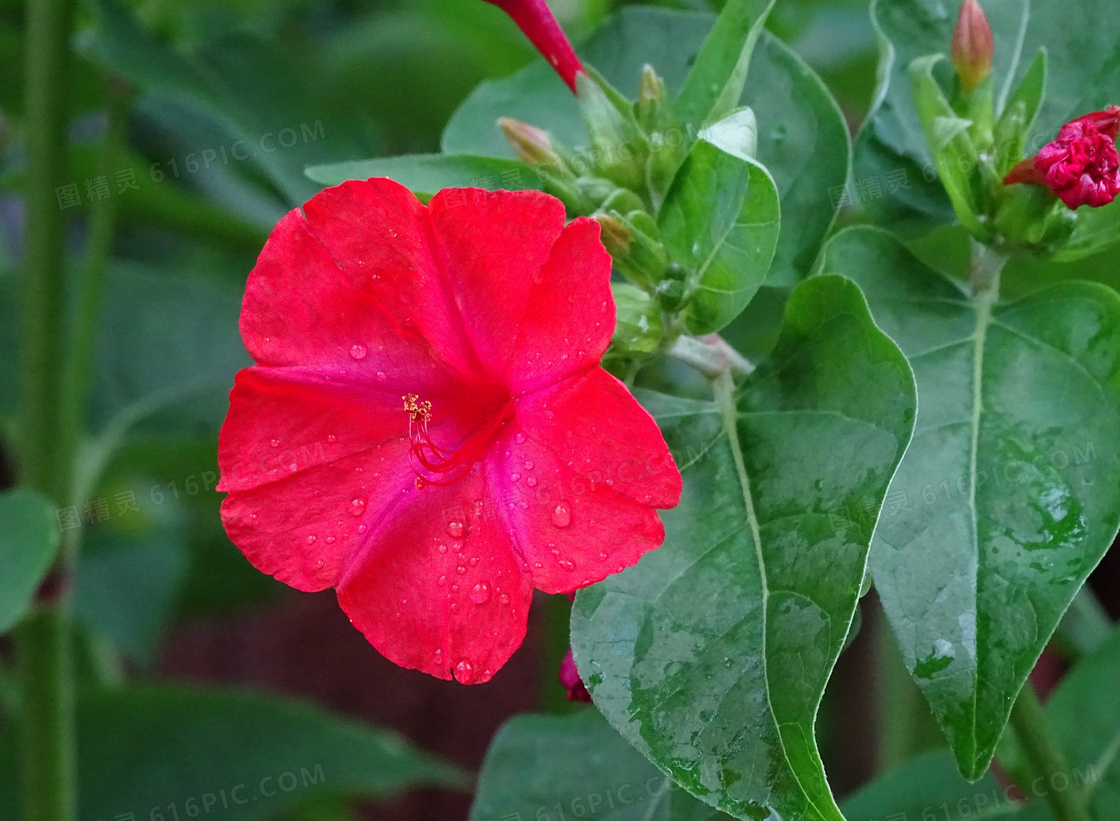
[(638, 328), (652, 106), (618, 145), (637, 254), (973, 46), (531, 144)]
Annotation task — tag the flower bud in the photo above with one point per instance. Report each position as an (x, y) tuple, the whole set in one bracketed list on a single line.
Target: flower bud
[(652, 106), (1081, 166), (638, 328), (536, 20), (531, 144), (637, 254), (973, 46), (619, 150)]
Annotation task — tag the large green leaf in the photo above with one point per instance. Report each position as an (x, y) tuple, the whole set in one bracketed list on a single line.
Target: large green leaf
[(574, 766), (425, 174), (712, 654), (246, 755), (927, 787), (1007, 497), (29, 539), (802, 139), (720, 222), (1083, 73)]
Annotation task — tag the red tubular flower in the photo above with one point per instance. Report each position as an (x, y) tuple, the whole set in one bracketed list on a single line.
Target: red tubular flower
[(1081, 166), (536, 20), (428, 429)]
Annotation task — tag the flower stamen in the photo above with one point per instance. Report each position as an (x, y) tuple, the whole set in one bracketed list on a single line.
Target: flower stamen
[(448, 465)]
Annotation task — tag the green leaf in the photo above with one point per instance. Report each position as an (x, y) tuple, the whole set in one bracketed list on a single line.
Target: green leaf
[(1096, 230), (926, 787), (591, 770), (425, 174), (150, 746), (715, 84), (720, 222), (1007, 496), (802, 135), (29, 539), (947, 135), (1082, 76), (712, 654), (1085, 714), (1014, 125)]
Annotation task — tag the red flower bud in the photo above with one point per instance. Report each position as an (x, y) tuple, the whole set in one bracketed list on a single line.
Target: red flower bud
[(973, 46), (1081, 166), (535, 19), (569, 677)]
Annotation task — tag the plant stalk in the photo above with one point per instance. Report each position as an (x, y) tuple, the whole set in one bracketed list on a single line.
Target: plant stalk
[(46, 721), (1046, 755)]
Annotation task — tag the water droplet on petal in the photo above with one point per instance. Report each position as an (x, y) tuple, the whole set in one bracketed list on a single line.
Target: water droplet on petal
[(519, 439), (357, 507), (531, 481), (275, 443), (464, 672), (455, 529), (311, 540), (362, 528), (567, 565), (474, 561), (528, 464), (332, 438), (443, 548), (504, 598), (480, 593), (381, 376), (562, 514), (253, 517), (358, 352), (513, 477), (460, 570), (330, 540), (441, 581)]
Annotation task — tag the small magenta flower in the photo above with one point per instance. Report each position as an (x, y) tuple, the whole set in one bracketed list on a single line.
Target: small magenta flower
[(1081, 166), (535, 19), (973, 46), (570, 680)]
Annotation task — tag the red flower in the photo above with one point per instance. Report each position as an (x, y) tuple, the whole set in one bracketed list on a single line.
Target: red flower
[(1081, 166), (428, 430), (535, 19)]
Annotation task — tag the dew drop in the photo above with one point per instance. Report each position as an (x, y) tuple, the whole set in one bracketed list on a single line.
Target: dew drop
[(474, 561), (358, 352), (455, 529), (480, 593), (311, 540), (454, 588), (357, 507), (275, 443), (461, 570), (529, 464), (567, 565), (531, 481), (329, 540), (603, 554), (362, 528), (443, 548), (513, 477), (441, 581), (454, 608), (464, 671), (504, 598), (332, 438), (253, 517), (519, 439), (562, 515), (381, 376), (293, 467)]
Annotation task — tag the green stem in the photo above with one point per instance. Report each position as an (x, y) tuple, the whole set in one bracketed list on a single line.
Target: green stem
[(47, 746), (712, 356), (987, 263), (1045, 755), (47, 716)]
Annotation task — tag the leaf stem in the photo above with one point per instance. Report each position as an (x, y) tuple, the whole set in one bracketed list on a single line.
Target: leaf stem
[(987, 263), (1045, 755), (710, 355)]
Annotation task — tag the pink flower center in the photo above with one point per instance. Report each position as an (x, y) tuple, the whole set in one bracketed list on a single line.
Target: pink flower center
[(437, 465)]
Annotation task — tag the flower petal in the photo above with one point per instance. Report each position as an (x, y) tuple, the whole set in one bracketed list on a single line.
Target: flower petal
[(570, 314), (355, 271), (309, 467), (451, 607), (493, 250)]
